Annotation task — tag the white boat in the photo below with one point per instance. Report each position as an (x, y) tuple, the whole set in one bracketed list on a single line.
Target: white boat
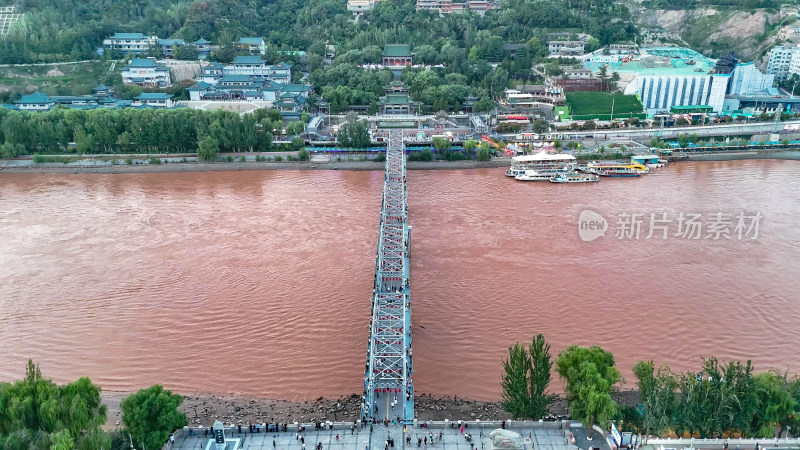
[(532, 175), (515, 171), (575, 178)]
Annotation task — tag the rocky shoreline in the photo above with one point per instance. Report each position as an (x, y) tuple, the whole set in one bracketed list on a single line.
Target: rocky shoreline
[(203, 409)]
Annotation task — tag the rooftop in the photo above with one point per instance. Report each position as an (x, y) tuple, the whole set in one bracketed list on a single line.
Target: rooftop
[(171, 42), (147, 62), (661, 61), (235, 79), (397, 50), (154, 96), (128, 36), (251, 40), (35, 98), (248, 59)]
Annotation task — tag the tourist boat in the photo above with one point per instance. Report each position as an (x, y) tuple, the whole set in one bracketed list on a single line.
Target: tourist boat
[(575, 178), (616, 172), (515, 171), (610, 168), (532, 175)]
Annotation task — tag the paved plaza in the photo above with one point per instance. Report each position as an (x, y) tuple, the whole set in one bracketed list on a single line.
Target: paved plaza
[(534, 436)]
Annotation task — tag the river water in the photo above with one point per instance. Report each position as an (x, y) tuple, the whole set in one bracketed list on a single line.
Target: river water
[(258, 282)]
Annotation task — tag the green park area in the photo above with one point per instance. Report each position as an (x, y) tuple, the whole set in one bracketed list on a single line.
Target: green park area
[(598, 105)]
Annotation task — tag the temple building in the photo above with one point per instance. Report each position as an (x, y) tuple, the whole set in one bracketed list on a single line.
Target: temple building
[(397, 55)]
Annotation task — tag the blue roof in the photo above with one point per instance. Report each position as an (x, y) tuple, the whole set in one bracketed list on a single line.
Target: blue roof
[(251, 40), (154, 96), (295, 88), (199, 86), (35, 98), (171, 42), (128, 36), (235, 79), (285, 65), (139, 62), (101, 87), (201, 41), (7, 106), (247, 60)]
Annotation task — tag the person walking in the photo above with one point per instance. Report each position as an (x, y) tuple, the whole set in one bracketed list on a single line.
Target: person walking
[(274, 445)]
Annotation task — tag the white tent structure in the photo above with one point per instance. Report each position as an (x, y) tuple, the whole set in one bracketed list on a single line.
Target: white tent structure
[(543, 156)]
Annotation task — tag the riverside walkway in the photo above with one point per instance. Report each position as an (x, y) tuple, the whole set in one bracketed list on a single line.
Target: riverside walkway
[(388, 386)]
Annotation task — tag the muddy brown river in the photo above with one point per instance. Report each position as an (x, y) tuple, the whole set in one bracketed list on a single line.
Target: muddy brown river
[(259, 282)]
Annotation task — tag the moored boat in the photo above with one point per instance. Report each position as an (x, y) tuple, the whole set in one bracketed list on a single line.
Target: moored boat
[(532, 175), (575, 178)]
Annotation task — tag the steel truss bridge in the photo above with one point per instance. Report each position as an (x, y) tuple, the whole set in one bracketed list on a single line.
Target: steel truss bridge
[(388, 386)]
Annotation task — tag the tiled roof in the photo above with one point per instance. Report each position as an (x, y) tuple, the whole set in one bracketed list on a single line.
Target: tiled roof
[(154, 96), (235, 79), (247, 59), (171, 42), (35, 98), (397, 50), (251, 40), (143, 62), (128, 36)]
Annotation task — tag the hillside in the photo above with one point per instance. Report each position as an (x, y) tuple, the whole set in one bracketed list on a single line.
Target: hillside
[(717, 29)]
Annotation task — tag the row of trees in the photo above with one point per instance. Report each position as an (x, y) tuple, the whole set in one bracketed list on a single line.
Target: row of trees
[(719, 400), (35, 413), (134, 131)]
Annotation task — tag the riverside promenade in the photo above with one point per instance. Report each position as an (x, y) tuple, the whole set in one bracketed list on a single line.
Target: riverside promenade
[(535, 435)]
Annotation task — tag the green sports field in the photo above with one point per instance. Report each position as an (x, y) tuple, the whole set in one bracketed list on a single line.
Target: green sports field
[(590, 103)]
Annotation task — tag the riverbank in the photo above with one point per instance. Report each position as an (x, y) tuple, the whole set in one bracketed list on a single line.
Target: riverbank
[(195, 166), (203, 409), (234, 166)]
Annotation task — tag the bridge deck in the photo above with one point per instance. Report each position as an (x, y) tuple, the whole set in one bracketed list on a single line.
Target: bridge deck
[(388, 385)]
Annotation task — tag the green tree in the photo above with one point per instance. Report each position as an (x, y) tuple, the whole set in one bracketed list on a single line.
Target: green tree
[(657, 393), (777, 402), (441, 144), (470, 144), (540, 126), (614, 79), (484, 154), (208, 149), (589, 374), (150, 415), (483, 105), (35, 413), (353, 135), (526, 378)]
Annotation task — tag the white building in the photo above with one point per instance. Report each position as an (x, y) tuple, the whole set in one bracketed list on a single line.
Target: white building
[(130, 42), (146, 72), (256, 68), (780, 61), (154, 100), (253, 45), (747, 79), (660, 92), (359, 6)]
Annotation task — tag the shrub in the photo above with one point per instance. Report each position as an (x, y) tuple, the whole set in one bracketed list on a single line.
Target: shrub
[(230, 158), (154, 160), (278, 158), (242, 158)]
